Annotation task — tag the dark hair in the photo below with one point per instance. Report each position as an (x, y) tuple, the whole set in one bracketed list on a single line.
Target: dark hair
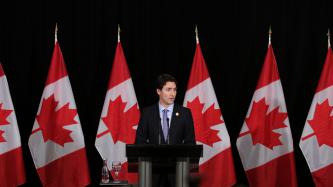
[(163, 79)]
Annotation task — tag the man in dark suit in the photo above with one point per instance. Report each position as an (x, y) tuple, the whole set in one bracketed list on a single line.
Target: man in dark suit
[(165, 123)]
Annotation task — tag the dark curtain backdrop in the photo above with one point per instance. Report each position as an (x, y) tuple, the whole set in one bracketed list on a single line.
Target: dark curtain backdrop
[(158, 37)]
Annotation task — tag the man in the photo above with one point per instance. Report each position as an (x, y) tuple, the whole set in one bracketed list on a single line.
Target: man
[(165, 123)]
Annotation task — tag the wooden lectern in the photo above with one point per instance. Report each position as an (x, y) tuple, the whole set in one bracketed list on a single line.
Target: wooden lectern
[(178, 159)]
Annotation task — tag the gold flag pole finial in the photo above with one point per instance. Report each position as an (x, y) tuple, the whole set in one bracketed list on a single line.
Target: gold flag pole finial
[(196, 34), (270, 35), (118, 33), (329, 38), (56, 33)]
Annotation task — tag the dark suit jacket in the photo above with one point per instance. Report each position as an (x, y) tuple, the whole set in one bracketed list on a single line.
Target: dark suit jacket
[(181, 130), (150, 131)]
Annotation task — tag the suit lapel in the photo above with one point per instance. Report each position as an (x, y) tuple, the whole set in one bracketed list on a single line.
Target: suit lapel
[(157, 118), (174, 118), (157, 121)]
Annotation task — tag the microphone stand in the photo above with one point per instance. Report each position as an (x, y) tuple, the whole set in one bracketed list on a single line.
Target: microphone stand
[(167, 140)]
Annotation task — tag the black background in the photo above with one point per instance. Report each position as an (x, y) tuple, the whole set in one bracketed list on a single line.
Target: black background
[(158, 37)]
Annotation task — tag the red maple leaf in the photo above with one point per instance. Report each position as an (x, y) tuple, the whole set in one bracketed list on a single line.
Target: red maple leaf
[(322, 123), (204, 121), (120, 124), (3, 120), (51, 122), (2, 139), (261, 124)]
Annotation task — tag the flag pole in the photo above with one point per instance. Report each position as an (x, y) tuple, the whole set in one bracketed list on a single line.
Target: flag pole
[(56, 33), (196, 34), (269, 35), (118, 33), (328, 38)]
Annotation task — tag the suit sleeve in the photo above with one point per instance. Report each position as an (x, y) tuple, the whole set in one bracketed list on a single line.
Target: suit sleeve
[(142, 130), (189, 133)]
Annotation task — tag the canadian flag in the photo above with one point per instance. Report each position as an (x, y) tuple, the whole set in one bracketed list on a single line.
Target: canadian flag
[(216, 166), (11, 160), (119, 118), (317, 141), (56, 142), (265, 142)]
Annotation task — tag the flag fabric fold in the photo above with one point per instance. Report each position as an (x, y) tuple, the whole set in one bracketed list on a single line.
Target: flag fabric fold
[(216, 168), (56, 142), (119, 118), (317, 141), (11, 160), (265, 142)]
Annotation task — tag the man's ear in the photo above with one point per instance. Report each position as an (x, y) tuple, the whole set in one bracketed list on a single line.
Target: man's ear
[(158, 91)]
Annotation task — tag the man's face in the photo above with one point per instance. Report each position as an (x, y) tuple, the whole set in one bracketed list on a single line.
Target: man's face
[(167, 94)]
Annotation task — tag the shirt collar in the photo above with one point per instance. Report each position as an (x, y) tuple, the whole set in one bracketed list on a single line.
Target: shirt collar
[(169, 108)]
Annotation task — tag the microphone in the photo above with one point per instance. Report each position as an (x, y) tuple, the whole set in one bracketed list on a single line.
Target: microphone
[(159, 134), (159, 137), (168, 137)]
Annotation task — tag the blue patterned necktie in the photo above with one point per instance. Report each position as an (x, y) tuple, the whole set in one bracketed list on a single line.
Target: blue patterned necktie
[(165, 125)]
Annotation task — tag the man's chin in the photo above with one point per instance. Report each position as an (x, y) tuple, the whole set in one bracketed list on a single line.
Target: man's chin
[(171, 102)]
